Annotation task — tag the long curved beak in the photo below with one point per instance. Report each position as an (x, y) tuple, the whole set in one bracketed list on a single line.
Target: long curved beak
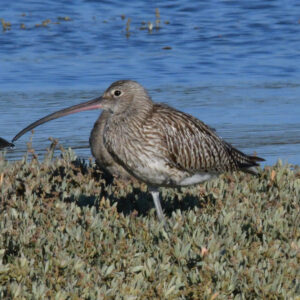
[(89, 105)]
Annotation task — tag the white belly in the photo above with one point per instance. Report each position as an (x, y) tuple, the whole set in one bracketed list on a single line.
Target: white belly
[(197, 178), (157, 172)]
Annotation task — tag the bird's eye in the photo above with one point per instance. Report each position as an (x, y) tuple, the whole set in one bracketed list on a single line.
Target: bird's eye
[(117, 93)]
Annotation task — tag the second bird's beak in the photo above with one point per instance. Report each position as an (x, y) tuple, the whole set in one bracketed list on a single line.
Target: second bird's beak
[(89, 105)]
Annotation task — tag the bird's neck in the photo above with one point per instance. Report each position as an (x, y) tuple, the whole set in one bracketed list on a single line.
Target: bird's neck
[(121, 129), (137, 112)]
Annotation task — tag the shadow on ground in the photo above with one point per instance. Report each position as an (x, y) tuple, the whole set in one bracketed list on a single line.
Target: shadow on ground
[(134, 197)]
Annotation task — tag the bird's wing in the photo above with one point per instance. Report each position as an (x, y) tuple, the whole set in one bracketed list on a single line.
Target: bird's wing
[(193, 146)]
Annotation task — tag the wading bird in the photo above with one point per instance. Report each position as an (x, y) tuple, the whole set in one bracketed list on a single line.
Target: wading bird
[(153, 142)]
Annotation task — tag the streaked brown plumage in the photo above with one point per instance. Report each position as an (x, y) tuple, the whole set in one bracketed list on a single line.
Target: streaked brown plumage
[(163, 146), (103, 159), (153, 142)]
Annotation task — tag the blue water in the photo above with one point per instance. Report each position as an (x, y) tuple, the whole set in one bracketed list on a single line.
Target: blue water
[(233, 64)]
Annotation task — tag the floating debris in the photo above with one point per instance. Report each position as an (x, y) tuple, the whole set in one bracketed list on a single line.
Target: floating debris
[(150, 26), (157, 21), (5, 25), (157, 14), (46, 22), (128, 27), (66, 18)]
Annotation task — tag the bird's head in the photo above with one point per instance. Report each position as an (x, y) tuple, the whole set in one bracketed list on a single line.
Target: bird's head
[(123, 95)]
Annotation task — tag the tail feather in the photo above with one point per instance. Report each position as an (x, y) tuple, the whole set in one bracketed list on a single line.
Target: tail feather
[(255, 158), (251, 165), (244, 162), (249, 161)]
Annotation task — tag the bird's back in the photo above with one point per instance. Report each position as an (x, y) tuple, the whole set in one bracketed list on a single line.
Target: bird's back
[(194, 146), (169, 147)]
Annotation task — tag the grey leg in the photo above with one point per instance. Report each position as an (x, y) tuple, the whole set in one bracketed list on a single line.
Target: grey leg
[(155, 196)]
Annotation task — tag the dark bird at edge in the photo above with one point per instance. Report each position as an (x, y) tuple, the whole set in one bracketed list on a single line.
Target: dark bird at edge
[(5, 144), (152, 142)]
